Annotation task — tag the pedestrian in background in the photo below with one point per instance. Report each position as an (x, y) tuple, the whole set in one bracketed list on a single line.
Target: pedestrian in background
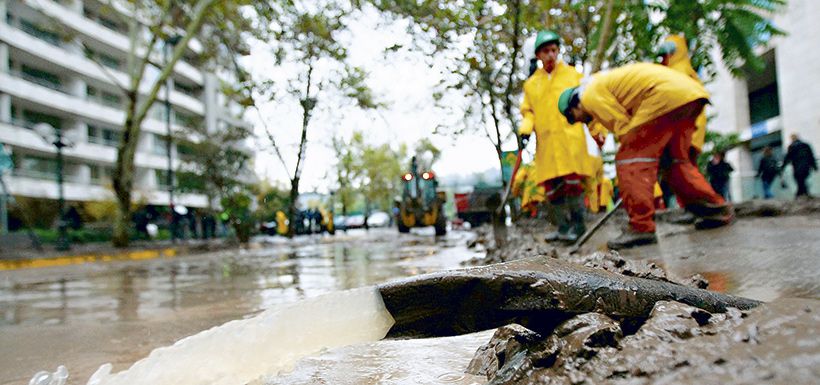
[(719, 172), (767, 170), (801, 157)]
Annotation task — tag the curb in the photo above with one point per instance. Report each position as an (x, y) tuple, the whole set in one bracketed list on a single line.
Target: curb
[(88, 258)]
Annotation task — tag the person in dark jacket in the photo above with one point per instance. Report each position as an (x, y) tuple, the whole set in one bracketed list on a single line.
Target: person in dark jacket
[(767, 170), (801, 157), (719, 171)]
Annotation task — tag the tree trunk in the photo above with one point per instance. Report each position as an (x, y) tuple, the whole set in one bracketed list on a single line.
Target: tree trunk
[(292, 211), (123, 178), (603, 37), (308, 103)]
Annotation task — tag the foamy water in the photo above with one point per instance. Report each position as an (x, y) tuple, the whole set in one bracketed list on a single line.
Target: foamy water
[(245, 350)]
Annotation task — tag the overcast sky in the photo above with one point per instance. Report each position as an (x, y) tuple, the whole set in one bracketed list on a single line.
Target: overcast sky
[(402, 79)]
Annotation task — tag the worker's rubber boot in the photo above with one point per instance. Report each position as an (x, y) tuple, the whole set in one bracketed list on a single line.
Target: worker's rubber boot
[(560, 217), (685, 218), (631, 238), (725, 217), (577, 227)]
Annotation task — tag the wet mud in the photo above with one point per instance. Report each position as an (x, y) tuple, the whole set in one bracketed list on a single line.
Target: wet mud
[(768, 254), (677, 344), (537, 292)]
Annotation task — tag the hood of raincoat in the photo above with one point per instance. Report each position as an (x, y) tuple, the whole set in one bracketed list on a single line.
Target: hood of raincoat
[(679, 60)]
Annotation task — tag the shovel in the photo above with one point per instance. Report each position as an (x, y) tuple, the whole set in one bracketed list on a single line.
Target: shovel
[(500, 208), (580, 242)]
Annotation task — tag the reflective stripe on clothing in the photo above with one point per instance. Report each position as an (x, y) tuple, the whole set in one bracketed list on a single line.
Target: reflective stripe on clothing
[(637, 160), (670, 133)]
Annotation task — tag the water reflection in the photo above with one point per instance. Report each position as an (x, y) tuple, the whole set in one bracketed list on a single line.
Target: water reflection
[(759, 258), (246, 281)]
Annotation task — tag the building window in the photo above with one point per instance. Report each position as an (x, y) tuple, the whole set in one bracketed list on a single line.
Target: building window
[(31, 118), (186, 89), (104, 136), (97, 16), (38, 167), (161, 178), (103, 97), (764, 101), (187, 120), (101, 174), (104, 59), (43, 78), (40, 32), (160, 146)]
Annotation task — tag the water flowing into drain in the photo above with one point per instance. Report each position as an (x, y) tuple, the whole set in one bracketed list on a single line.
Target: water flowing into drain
[(244, 350)]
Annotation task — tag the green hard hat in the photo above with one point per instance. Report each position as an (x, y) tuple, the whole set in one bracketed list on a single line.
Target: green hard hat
[(546, 36), (565, 102)]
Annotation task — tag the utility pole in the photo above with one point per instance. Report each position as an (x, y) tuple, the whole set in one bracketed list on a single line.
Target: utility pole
[(62, 226)]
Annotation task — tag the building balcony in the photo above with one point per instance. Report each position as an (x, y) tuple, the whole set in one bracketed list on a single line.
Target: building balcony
[(83, 66)]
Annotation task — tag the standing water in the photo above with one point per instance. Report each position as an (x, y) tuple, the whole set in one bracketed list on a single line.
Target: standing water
[(82, 316), (240, 351)]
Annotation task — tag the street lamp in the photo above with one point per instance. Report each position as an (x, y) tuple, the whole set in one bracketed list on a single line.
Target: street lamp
[(170, 42), (55, 137)]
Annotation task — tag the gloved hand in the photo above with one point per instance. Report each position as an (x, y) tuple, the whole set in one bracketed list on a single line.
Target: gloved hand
[(525, 138)]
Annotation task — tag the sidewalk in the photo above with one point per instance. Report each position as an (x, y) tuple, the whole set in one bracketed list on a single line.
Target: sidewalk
[(104, 252)]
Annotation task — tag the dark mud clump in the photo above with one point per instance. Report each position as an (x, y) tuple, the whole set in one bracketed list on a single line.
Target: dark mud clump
[(676, 344)]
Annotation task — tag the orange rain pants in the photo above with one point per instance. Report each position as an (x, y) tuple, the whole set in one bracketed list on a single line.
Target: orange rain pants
[(638, 159)]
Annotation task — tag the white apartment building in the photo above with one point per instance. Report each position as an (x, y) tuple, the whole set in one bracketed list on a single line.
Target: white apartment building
[(766, 108), (46, 76)]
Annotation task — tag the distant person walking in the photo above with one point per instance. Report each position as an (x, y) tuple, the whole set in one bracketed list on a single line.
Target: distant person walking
[(801, 157), (719, 172), (767, 170)]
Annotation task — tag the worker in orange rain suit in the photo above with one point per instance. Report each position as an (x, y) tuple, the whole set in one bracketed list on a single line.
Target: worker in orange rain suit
[(674, 54), (530, 192), (651, 109), (561, 159)]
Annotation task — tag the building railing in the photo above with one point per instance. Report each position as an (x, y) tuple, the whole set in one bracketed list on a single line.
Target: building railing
[(103, 141), (39, 81), (45, 175)]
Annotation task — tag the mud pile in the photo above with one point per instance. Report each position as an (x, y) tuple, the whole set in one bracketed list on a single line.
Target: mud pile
[(677, 344)]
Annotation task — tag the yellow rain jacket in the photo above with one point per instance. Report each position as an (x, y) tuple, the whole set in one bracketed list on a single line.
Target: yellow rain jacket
[(560, 147), (632, 95), (281, 223), (530, 192), (592, 183), (679, 61), (606, 194)]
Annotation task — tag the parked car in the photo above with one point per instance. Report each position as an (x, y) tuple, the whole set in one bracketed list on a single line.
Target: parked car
[(354, 221), (378, 219)]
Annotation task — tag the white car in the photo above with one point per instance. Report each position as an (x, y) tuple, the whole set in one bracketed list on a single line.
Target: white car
[(354, 221), (378, 219)]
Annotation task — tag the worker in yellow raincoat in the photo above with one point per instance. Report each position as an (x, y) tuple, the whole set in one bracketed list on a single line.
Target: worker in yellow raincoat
[(593, 183), (530, 192), (561, 160), (281, 223), (652, 110), (675, 55)]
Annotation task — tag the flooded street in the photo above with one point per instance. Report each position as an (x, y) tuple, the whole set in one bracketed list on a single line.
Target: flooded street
[(294, 293), (758, 258), (85, 315)]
